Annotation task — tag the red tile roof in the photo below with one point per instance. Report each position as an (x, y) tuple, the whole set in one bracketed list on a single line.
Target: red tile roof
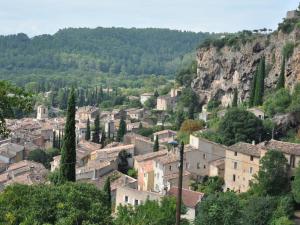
[(189, 198)]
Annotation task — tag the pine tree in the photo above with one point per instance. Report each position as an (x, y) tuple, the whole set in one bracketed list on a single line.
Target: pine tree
[(191, 111), (107, 191), (88, 131), (235, 98), (68, 153), (122, 130), (281, 80), (260, 83), (253, 88), (54, 142), (103, 139), (96, 134), (156, 144)]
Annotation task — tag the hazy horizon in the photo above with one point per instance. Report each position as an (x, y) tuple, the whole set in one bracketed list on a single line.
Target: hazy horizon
[(35, 17)]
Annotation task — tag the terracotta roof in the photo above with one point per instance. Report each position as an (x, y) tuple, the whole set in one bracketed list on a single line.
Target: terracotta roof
[(175, 175), (150, 156), (285, 147), (245, 148), (165, 132), (189, 198), (169, 158)]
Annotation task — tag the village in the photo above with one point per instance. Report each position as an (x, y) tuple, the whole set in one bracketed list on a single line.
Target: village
[(153, 162)]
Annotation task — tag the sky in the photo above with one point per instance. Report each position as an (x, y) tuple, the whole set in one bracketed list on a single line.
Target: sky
[(35, 17)]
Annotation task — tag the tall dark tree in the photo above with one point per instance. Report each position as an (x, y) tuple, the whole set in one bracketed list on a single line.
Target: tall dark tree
[(235, 98), (260, 83), (253, 88), (103, 139), (179, 119), (191, 111), (281, 80), (54, 141), (68, 153), (96, 134), (88, 130), (122, 130), (107, 190), (156, 144)]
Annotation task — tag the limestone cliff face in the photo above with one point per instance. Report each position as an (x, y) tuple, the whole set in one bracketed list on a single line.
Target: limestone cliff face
[(221, 70)]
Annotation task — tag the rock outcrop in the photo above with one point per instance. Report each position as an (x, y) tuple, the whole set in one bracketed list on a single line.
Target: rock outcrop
[(222, 70)]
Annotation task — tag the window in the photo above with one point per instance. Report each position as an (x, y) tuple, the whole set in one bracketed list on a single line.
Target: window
[(136, 202), (235, 153), (145, 174), (204, 167), (250, 170), (251, 158), (233, 178), (204, 156), (198, 165), (126, 199), (170, 168), (235, 165)]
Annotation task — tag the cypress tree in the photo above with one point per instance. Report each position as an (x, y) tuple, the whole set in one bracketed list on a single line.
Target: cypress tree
[(260, 83), (253, 88), (156, 144), (68, 153), (122, 130), (281, 80), (179, 119), (107, 191), (103, 139), (235, 98), (54, 143), (191, 111), (88, 131), (96, 134)]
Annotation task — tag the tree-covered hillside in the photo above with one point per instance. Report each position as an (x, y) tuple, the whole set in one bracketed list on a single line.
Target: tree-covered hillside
[(106, 50)]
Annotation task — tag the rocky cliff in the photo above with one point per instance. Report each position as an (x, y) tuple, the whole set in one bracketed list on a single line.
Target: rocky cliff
[(222, 69)]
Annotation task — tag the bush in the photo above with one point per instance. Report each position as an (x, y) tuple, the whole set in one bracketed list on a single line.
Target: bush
[(277, 103), (288, 50), (213, 104), (189, 126)]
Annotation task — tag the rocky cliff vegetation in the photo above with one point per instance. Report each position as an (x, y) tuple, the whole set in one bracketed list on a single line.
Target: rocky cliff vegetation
[(229, 62)]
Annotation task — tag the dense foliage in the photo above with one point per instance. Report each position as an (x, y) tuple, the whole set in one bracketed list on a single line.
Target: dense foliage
[(71, 203), (109, 50), (42, 156)]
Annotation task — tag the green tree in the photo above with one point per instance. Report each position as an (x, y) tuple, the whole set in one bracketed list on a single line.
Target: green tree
[(150, 103), (122, 130), (272, 178), (190, 126), (96, 134), (240, 125), (107, 191), (123, 165), (253, 88), (103, 139), (210, 185), (12, 98), (88, 131), (70, 203), (281, 79), (179, 119), (235, 98), (68, 152), (220, 208), (296, 185), (295, 104), (156, 144), (260, 83), (39, 156), (278, 102), (151, 212)]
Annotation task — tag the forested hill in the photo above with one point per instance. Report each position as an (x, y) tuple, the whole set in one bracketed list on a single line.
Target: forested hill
[(108, 50)]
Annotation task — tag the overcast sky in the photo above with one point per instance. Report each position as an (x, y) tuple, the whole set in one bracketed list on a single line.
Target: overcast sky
[(35, 17)]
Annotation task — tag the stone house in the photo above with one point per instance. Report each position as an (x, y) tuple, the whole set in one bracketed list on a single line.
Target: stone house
[(164, 103), (142, 145), (87, 112), (241, 163), (129, 196), (144, 166), (144, 97), (165, 136), (11, 152)]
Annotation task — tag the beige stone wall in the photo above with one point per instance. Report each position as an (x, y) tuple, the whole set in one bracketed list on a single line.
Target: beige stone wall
[(242, 167)]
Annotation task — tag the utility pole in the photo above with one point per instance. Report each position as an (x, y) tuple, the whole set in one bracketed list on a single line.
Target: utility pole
[(179, 193)]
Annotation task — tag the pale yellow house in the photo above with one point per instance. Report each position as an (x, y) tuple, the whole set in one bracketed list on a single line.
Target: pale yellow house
[(241, 163)]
